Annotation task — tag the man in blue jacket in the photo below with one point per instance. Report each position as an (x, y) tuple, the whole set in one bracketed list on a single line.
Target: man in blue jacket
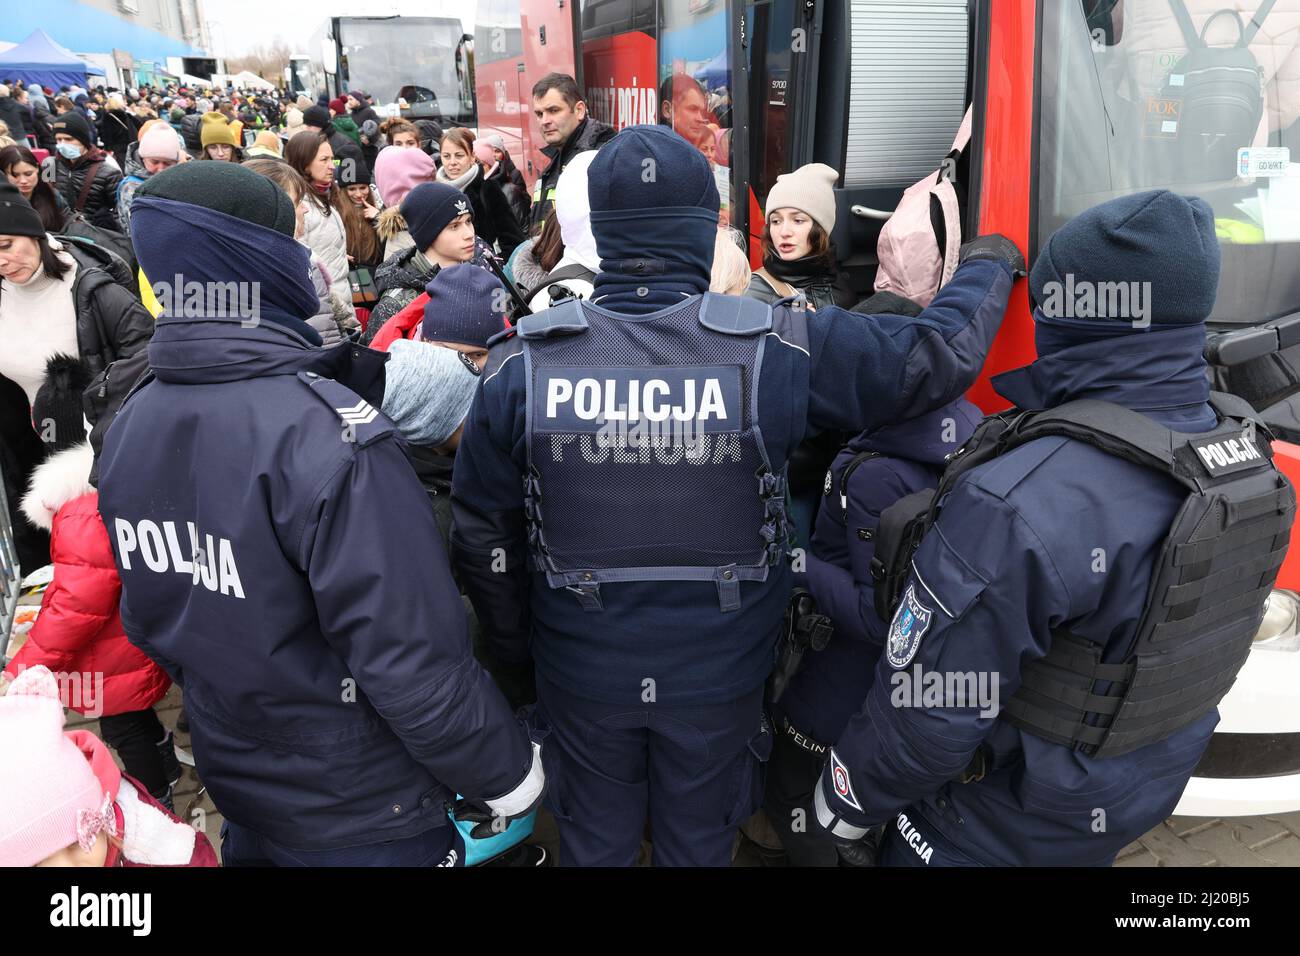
[(1054, 536), (655, 454), (279, 559)]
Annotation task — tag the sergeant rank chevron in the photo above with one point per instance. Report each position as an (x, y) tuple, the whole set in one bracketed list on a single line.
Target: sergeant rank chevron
[(362, 413)]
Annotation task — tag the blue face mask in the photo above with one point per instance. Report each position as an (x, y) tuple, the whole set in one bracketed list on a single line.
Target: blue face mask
[(69, 151)]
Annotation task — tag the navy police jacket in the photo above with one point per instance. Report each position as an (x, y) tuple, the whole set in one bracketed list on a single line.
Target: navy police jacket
[(1054, 533), (279, 560), (870, 473), (858, 371)]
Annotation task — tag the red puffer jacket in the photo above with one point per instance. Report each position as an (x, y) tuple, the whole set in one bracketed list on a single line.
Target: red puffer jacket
[(79, 631), (402, 325)]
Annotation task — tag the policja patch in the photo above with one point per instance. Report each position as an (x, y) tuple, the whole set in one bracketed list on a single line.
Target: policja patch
[(911, 621)]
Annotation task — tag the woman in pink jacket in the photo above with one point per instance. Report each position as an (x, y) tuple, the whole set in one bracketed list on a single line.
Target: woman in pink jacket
[(79, 634)]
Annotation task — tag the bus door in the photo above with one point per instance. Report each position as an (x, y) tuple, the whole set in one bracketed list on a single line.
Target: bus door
[(873, 88)]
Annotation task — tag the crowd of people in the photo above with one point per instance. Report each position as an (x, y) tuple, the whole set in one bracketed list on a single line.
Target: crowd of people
[(323, 516)]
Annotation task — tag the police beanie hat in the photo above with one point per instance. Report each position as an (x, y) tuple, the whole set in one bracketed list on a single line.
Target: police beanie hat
[(650, 167), (429, 207), (467, 306), (56, 412), (73, 124), (810, 189), (317, 116), (216, 130), (227, 188), (428, 391), (17, 217), (1155, 237)]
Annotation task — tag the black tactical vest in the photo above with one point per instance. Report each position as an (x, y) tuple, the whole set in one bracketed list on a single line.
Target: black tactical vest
[(645, 457), (1207, 594)]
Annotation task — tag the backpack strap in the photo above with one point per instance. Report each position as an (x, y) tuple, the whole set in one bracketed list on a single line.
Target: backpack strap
[(91, 172), (574, 270), (1256, 22), (1185, 24), (784, 289)]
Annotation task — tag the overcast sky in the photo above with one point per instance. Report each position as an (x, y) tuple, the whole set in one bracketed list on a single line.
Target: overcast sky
[(237, 26)]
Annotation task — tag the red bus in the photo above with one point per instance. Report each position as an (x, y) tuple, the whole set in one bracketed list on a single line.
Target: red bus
[(1064, 96)]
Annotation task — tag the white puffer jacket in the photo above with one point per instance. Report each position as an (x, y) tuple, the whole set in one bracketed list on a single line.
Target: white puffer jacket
[(323, 233)]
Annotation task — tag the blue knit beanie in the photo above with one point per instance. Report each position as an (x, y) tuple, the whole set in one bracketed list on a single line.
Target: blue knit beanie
[(1162, 241), (467, 306), (654, 216), (429, 207)]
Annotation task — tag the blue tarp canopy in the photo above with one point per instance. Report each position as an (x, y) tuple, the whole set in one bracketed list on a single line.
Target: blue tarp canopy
[(40, 60)]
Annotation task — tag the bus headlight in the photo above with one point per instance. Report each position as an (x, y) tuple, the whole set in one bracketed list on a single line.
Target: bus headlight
[(1280, 629)]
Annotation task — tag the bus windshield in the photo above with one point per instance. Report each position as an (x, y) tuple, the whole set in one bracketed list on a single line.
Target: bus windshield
[(1201, 99), (421, 59)]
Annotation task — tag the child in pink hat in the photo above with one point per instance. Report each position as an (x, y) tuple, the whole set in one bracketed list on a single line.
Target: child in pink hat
[(63, 802)]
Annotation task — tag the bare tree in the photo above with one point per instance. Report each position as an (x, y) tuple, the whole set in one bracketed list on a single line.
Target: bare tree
[(266, 60)]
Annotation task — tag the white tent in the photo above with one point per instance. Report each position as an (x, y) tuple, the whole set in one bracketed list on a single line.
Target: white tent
[(248, 79), (188, 79)]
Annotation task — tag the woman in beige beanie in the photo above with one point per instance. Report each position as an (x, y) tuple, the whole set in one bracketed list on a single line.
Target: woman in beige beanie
[(797, 251)]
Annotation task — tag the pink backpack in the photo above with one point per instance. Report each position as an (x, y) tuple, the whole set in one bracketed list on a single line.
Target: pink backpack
[(912, 263)]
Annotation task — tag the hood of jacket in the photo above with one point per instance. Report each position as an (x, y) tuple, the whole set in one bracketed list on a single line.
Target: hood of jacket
[(927, 439), (134, 164), (204, 351), (389, 222), (59, 479)]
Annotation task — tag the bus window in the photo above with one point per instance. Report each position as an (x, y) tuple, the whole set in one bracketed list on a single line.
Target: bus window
[(1121, 112), (694, 94), (425, 57), (618, 61)]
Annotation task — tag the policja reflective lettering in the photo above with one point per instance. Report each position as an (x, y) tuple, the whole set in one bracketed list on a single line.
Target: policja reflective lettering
[(913, 838), (160, 550), (583, 399)]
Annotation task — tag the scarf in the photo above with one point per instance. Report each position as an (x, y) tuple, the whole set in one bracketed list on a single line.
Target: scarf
[(462, 181)]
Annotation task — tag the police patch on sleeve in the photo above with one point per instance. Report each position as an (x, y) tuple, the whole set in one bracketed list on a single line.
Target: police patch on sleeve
[(841, 782), (911, 621)]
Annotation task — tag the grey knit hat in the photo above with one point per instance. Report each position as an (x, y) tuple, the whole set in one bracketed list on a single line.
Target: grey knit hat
[(428, 390), (810, 188)]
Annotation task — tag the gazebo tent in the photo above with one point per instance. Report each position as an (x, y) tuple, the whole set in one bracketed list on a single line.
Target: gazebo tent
[(40, 60), (248, 79)]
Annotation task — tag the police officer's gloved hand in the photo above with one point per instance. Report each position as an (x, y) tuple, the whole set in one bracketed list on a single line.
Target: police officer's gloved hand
[(996, 247)]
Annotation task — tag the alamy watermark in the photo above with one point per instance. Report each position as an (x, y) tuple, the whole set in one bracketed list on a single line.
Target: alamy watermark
[(206, 300), (920, 688), (1085, 299)]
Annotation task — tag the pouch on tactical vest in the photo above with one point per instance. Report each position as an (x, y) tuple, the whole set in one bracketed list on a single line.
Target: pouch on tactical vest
[(645, 458), (1207, 594)]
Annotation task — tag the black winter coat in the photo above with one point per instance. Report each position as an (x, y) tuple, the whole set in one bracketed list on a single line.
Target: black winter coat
[(590, 134), (117, 131), (494, 219), (14, 115), (512, 186), (101, 200)]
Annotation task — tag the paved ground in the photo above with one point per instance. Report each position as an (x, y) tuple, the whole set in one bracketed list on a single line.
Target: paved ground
[(1179, 841)]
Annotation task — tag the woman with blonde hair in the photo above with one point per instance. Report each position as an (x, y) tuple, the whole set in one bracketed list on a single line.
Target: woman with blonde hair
[(493, 217)]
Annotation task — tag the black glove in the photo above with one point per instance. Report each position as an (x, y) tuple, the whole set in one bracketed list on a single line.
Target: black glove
[(996, 247)]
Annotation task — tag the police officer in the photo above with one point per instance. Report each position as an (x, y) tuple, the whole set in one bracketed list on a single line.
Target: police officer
[(279, 559), (633, 450), (1033, 704)]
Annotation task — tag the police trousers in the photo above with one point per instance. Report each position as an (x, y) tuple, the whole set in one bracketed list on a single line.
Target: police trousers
[(695, 773), (243, 847)]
